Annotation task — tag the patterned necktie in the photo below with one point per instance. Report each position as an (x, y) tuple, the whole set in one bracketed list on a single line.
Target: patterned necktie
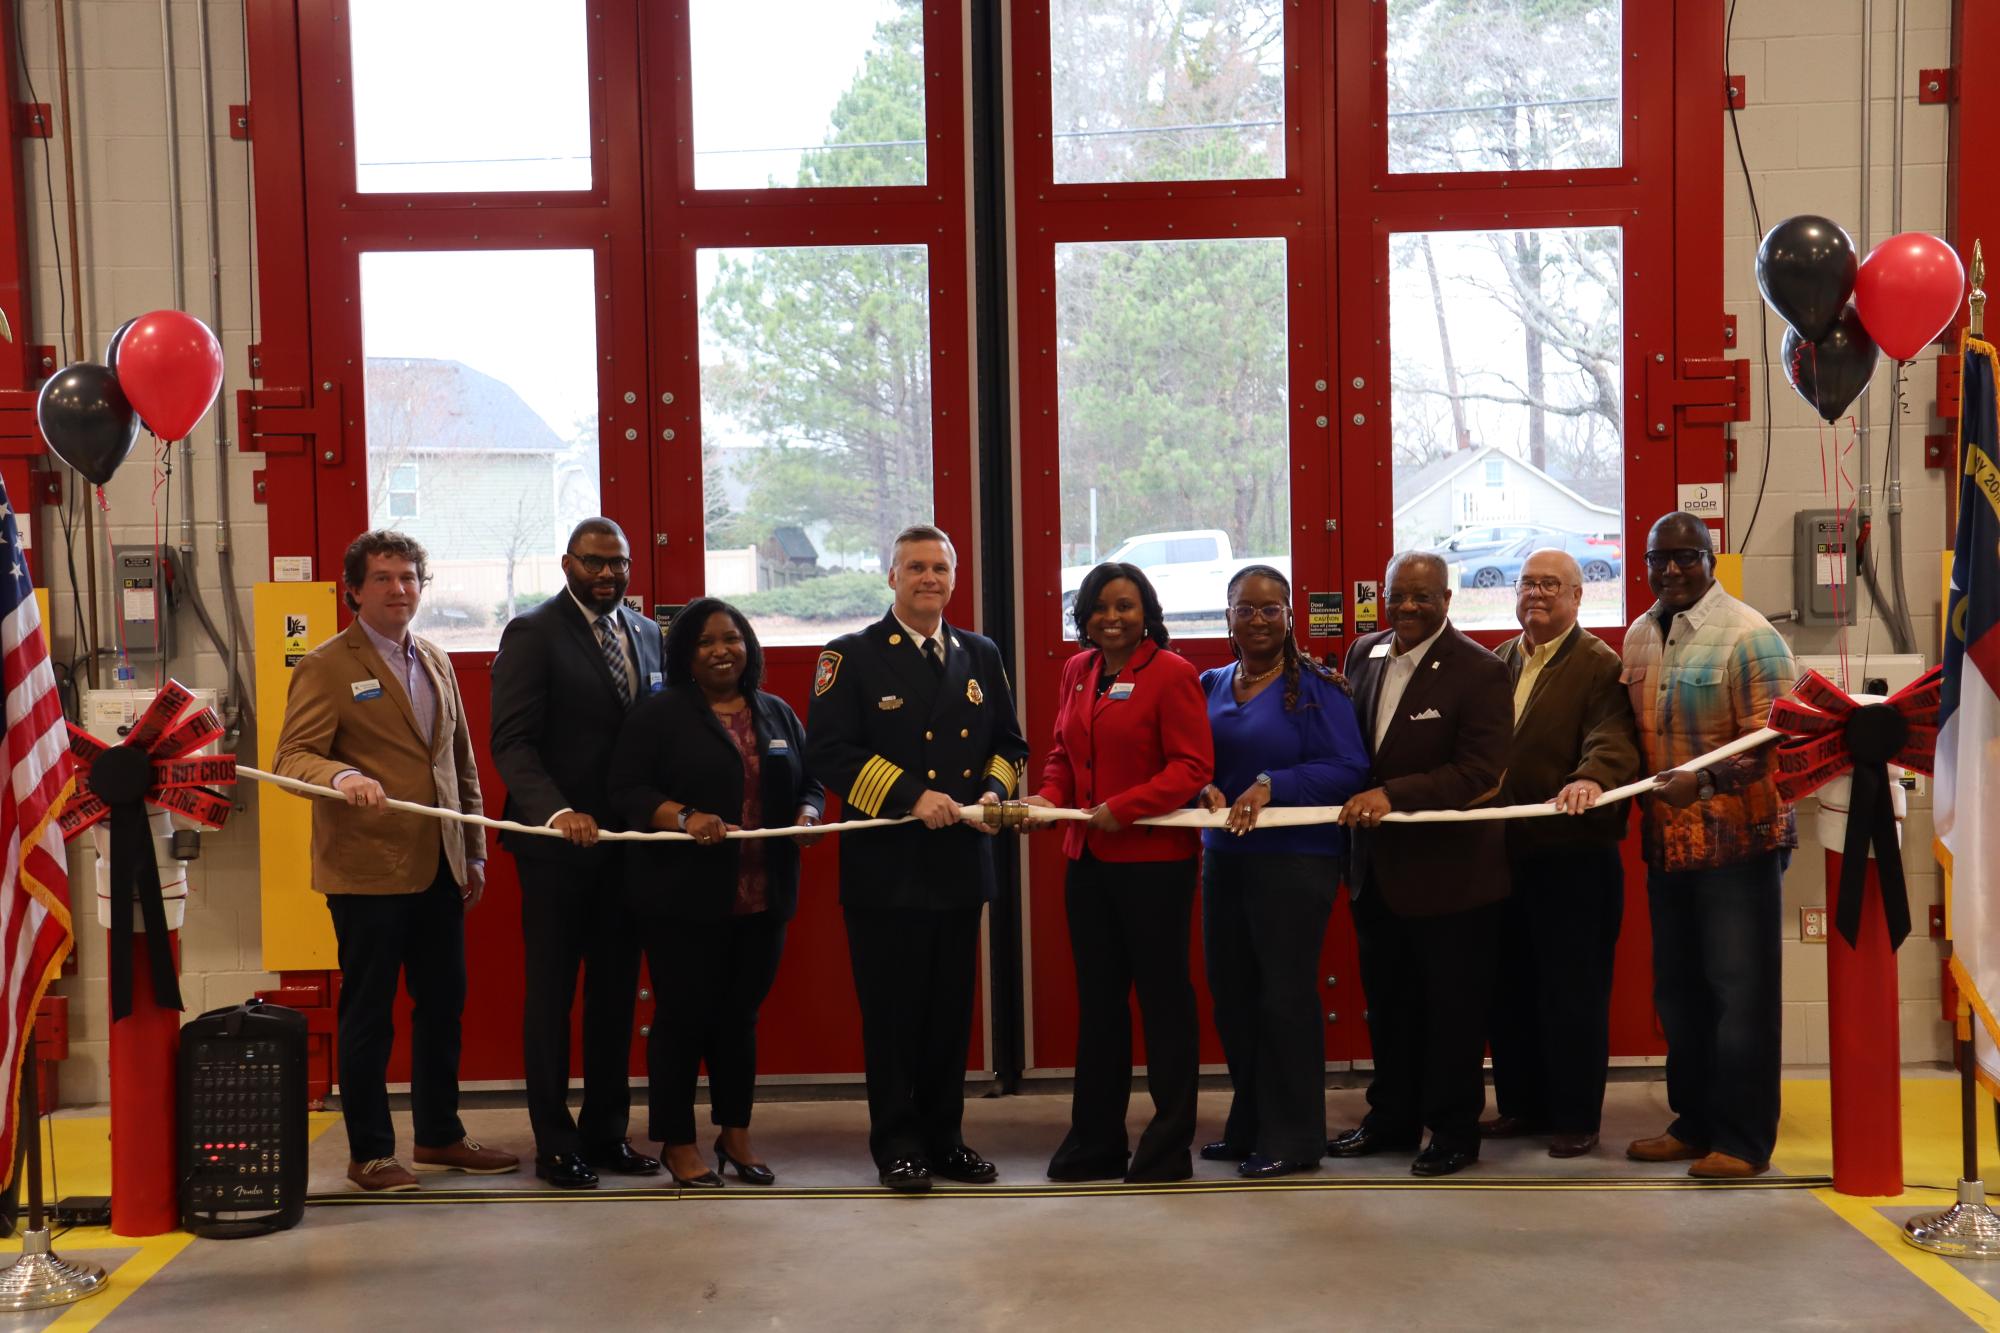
[(614, 657), (934, 657)]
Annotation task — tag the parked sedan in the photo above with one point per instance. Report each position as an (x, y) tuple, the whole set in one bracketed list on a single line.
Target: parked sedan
[(1599, 557)]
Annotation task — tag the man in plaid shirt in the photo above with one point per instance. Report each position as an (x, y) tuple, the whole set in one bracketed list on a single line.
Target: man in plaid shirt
[(1703, 669)]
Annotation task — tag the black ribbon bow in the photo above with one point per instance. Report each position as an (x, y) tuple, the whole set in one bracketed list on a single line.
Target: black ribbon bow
[(1828, 734), (118, 783)]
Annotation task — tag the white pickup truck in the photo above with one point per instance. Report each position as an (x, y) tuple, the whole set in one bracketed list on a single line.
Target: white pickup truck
[(1190, 570)]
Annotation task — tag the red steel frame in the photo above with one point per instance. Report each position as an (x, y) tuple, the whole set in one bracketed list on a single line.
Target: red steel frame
[(1337, 205), (644, 223)]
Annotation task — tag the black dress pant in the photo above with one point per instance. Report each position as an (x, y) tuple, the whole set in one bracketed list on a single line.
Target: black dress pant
[(1263, 922), (914, 975), (1129, 926), (1429, 980), (1552, 1005), (575, 917), (710, 978), (420, 938)]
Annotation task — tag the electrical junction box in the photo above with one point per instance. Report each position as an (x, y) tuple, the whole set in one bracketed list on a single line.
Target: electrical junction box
[(1823, 582), (1874, 673), (145, 620), (109, 714)]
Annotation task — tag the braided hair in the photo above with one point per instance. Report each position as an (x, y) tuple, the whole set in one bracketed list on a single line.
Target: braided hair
[(1296, 659)]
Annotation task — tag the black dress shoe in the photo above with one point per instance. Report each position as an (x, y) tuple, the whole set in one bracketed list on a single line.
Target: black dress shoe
[(1110, 1168), (1223, 1151), (566, 1171), (1362, 1141), (619, 1159), (965, 1166), (906, 1175), (1436, 1161), (1259, 1167), (750, 1173)]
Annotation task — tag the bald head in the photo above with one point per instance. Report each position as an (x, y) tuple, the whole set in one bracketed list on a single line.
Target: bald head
[(1548, 597)]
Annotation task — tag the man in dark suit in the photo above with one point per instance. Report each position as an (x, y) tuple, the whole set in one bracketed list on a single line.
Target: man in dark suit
[(1436, 713), (912, 716), (1573, 739), (567, 674)]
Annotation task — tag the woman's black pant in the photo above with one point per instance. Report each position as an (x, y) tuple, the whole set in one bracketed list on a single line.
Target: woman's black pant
[(708, 978), (1129, 929), (1263, 922)]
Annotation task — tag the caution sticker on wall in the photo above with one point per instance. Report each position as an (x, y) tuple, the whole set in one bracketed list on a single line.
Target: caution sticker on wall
[(1367, 606), (298, 642), (1324, 614)]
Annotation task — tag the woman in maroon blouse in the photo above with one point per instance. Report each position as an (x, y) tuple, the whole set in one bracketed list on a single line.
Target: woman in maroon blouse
[(709, 754), (1131, 740)]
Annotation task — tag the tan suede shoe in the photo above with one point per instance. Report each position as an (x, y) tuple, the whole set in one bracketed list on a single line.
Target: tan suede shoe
[(382, 1175), (1721, 1166), (1665, 1148), (474, 1159)]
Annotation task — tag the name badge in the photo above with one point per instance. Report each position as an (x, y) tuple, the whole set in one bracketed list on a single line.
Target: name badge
[(1379, 650), (655, 682), (1121, 690), (366, 689), (778, 745), (889, 702)]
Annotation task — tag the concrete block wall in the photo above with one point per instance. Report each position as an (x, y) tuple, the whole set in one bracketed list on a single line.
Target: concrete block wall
[(1801, 59), (122, 164), (1801, 128)]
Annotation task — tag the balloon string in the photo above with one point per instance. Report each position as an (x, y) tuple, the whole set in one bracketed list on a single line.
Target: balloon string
[(163, 469)]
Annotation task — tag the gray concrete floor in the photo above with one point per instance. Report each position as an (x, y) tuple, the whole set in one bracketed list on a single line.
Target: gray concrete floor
[(1489, 1251)]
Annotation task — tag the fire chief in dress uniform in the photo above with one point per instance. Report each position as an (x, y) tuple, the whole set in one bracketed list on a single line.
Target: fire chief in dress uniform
[(913, 716)]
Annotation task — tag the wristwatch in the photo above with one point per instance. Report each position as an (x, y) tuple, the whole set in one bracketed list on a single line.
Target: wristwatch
[(1261, 780), (681, 819), (1704, 783)]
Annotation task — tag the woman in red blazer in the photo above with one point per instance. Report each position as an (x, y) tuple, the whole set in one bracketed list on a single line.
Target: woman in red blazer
[(1132, 739)]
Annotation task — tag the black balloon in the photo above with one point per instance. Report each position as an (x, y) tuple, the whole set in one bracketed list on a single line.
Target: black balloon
[(111, 348), (86, 420), (1806, 268), (1831, 373)]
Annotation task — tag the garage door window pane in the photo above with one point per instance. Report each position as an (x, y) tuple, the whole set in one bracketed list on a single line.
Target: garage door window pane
[(1171, 366), (482, 424), (1508, 418), (470, 95), (1167, 89), (807, 93), (816, 429), (1504, 85)]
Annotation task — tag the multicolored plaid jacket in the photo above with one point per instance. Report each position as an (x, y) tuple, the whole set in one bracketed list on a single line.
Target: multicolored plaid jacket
[(1712, 679)]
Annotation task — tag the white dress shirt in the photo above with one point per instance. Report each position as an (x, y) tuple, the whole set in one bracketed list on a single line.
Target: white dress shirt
[(1396, 675)]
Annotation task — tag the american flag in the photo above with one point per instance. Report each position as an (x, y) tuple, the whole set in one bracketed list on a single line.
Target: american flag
[(34, 888)]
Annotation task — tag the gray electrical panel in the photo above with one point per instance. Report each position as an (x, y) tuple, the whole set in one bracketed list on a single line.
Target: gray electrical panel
[(1823, 572), (144, 611)]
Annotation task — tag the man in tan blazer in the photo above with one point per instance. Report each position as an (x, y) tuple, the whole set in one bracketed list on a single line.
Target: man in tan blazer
[(375, 712), (1573, 739)]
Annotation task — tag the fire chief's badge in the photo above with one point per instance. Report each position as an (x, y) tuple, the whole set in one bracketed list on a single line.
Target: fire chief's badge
[(974, 693)]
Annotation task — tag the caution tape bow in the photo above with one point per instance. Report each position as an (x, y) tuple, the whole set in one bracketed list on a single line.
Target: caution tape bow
[(1829, 734), (152, 765)]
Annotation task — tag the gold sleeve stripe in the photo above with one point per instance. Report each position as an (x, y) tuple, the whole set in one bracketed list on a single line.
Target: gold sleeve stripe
[(1008, 775), (871, 788)]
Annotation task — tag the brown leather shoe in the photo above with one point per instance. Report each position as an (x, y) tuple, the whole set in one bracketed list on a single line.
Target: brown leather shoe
[(1721, 1166), (473, 1158), (1505, 1127), (1665, 1148), (1571, 1145), (382, 1175)]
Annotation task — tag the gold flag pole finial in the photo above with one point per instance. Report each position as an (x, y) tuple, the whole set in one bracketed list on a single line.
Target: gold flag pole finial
[(1977, 326)]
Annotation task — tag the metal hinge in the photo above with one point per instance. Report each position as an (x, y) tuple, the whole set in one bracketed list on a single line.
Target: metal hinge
[(239, 122), (1709, 391), (286, 420)]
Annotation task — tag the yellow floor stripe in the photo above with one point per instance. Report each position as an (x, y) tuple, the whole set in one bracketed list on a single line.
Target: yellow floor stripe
[(1865, 1216)]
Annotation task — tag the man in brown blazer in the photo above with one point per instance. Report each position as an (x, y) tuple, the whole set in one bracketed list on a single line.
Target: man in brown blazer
[(1435, 713), (1574, 738), (375, 712)]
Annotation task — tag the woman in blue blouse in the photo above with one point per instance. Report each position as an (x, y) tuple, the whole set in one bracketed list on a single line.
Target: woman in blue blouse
[(1285, 734)]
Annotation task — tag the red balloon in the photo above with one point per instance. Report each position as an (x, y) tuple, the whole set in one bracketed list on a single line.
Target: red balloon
[(1908, 291), (170, 367)]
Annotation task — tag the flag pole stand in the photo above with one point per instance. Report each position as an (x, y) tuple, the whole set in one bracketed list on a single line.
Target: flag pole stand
[(41, 1278), (1968, 1229)]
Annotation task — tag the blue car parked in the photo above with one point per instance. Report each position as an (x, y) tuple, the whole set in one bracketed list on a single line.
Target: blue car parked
[(1599, 557)]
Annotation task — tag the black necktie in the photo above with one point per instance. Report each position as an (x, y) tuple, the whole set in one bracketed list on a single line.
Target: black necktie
[(934, 657)]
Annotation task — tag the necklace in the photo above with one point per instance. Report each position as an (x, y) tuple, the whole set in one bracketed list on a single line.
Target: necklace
[(1244, 682)]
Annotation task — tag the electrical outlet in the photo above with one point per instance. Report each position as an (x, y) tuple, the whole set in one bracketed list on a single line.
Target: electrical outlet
[(1814, 925)]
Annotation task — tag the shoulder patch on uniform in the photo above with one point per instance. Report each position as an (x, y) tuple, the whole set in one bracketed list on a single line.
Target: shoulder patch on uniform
[(829, 667)]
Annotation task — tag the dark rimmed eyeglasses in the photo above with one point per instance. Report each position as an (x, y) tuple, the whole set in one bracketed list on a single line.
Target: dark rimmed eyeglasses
[(1687, 557), (597, 564)]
